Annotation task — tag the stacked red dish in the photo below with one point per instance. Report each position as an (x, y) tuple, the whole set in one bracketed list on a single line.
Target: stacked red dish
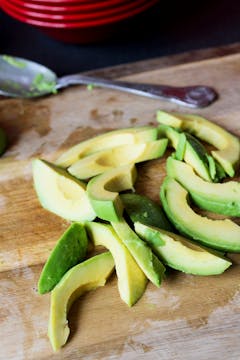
[(79, 21)]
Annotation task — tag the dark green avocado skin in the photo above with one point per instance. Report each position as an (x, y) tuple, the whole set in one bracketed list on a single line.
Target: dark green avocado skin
[(70, 250), (141, 209)]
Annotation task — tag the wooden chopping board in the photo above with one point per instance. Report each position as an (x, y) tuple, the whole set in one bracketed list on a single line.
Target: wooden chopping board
[(189, 317)]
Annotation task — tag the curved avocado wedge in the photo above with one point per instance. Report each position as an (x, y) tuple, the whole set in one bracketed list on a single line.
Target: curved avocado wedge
[(193, 151), (182, 254), (131, 280), (141, 208), (228, 145), (221, 198), (70, 250), (219, 234), (61, 193), (103, 191), (143, 255), (104, 160), (107, 140), (83, 277)]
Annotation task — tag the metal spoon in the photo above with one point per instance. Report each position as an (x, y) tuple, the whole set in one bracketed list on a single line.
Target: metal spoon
[(27, 79)]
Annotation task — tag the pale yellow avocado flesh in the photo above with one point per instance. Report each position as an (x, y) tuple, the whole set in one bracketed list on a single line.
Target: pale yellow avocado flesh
[(219, 234), (182, 254), (61, 193), (228, 145), (223, 198), (105, 141), (103, 191), (131, 280), (83, 277), (106, 159)]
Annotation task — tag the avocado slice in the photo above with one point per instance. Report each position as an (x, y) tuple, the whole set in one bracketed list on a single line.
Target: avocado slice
[(141, 208), (131, 280), (146, 260), (182, 254), (70, 250), (219, 234), (228, 145), (81, 278), (104, 160), (194, 154), (61, 193), (136, 135), (221, 198), (103, 191), (3, 141)]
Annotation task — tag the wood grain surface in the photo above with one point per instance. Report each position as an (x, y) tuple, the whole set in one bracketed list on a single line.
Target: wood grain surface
[(189, 317)]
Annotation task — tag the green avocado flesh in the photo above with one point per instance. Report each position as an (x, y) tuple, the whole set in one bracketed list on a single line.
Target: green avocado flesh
[(104, 160), (83, 277), (222, 198), (143, 255), (193, 151), (131, 279), (103, 191), (219, 234), (228, 145), (181, 253), (141, 134), (70, 250), (141, 208), (61, 193)]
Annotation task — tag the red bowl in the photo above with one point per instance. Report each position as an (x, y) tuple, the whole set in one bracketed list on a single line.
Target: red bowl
[(68, 7), (75, 17), (81, 32), (103, 15)]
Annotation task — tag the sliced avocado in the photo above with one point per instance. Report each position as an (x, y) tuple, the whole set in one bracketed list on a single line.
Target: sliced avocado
[(228, 145), (107, 159), (70, 250), (81, 278), (181, 147), (143, 255), (219, 234), (131, 280), (107, 140), (216, 197), (3, 141), (141, 208), (194, 154), (181, 253), (103, 191), (61, 193)]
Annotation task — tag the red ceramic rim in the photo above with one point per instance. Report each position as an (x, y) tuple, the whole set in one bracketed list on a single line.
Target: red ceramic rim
[(79, 24), (67, 2), (67, 8), (104, 14)]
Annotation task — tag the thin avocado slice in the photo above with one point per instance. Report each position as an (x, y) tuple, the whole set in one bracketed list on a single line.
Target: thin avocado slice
[(107, 140), (103, 191), (219, 234), (3, 141), (107, 159), (228, 145), (194, 154), (182, 254), (83, 277), (141, 208), (181, 147), (143, 255), (61, 193), (221, 198), (131, 279), (70, 250)]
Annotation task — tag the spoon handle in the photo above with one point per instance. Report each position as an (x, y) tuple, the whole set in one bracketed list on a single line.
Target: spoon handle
[(191, 96)]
